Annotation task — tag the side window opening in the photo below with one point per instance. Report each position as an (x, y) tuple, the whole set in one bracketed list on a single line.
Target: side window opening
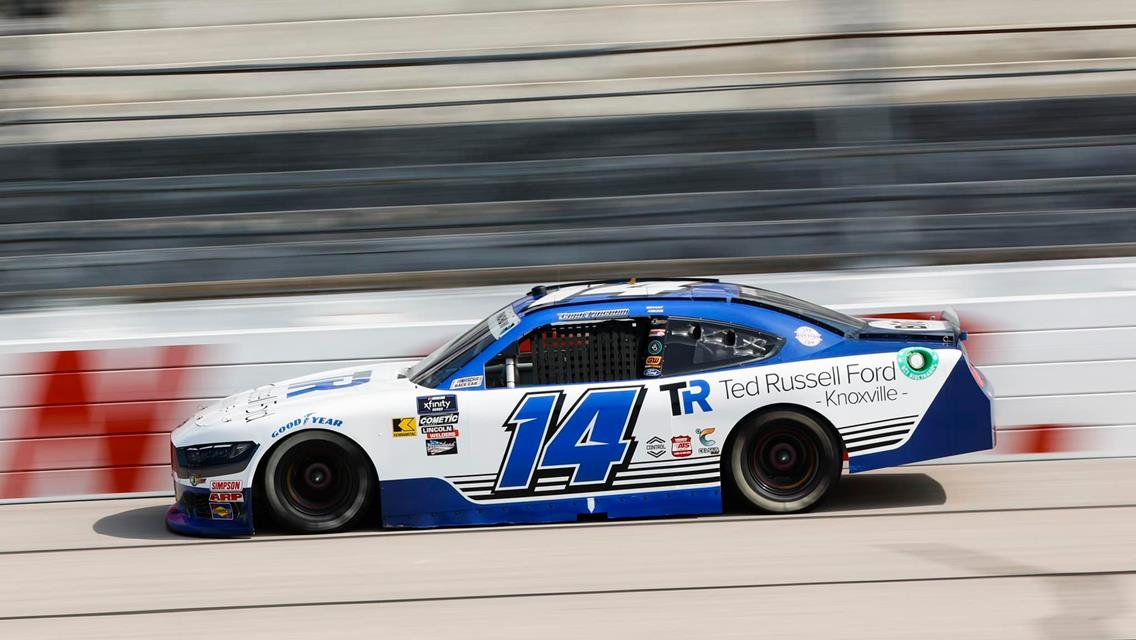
[(695, 345), (570, 353)]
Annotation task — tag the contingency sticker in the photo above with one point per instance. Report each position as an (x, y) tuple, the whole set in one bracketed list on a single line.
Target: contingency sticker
[(501, 322), (441, 446), (404, 427), (467, 382), (807, 336)]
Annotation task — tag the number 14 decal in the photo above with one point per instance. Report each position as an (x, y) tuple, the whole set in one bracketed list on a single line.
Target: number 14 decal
[(593, 437)]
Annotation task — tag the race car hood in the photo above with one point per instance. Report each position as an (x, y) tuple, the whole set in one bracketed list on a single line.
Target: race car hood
[(312, 393)]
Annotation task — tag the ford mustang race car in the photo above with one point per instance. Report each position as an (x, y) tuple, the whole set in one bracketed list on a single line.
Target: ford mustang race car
[(590, 400)]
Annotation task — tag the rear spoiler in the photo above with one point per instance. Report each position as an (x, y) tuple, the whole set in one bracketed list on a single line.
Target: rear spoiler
[(920, 326)]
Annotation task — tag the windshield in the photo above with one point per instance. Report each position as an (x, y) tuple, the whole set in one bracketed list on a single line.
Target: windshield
[(840, 322), (433, 370)]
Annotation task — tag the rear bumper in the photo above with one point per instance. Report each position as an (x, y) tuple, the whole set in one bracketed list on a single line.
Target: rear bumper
[(193, 514), (959, 420)]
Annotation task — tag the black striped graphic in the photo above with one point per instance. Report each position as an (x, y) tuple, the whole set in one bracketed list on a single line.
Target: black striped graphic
[(649, 474), (866, 437)]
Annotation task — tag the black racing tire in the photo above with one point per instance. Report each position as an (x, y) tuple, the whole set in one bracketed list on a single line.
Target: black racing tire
[(318, 482), (785, 461)]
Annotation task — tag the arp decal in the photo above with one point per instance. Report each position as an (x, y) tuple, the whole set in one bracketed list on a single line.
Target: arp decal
[(404, 427), (329, 384), (590, 439), (695, 396), (447, 403), (226, 496)]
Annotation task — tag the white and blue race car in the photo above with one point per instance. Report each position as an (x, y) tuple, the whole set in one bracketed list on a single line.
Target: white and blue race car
[(590, 400)]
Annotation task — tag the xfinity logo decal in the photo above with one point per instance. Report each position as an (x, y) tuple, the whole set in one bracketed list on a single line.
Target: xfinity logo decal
[(437, 404)]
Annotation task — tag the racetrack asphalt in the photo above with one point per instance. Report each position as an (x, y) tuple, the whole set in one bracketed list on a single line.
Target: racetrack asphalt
[(994, 550)]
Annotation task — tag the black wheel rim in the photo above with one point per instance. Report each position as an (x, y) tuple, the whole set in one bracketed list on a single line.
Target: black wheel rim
[(316, 480), (784, 460)]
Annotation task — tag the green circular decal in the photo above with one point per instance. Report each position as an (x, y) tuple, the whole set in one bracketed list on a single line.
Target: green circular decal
[(655, 347), (917, 362)]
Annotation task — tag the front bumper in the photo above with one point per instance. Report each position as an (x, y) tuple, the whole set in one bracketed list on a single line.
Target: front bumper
[(194, 514)]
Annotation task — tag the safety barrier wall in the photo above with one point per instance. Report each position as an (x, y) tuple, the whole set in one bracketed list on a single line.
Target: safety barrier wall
[(89, 394)]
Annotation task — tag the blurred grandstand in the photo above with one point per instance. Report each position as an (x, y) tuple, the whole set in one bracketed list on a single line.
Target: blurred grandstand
[(172, 148)]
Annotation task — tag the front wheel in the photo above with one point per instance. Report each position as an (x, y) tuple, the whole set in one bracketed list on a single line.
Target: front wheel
[(785, 461), (318, 482)]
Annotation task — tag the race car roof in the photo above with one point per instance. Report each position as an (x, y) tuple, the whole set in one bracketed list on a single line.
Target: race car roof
[(613, 290), (684, 289)]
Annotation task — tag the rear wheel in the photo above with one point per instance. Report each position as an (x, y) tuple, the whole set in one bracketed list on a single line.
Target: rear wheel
[(785, 461), (318, 482)]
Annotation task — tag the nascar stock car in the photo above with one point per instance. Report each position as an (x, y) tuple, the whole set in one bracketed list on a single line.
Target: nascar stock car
[(590, 400)]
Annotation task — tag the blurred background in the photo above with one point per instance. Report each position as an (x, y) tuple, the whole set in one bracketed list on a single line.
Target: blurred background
[(162, 149), (201, 196)]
